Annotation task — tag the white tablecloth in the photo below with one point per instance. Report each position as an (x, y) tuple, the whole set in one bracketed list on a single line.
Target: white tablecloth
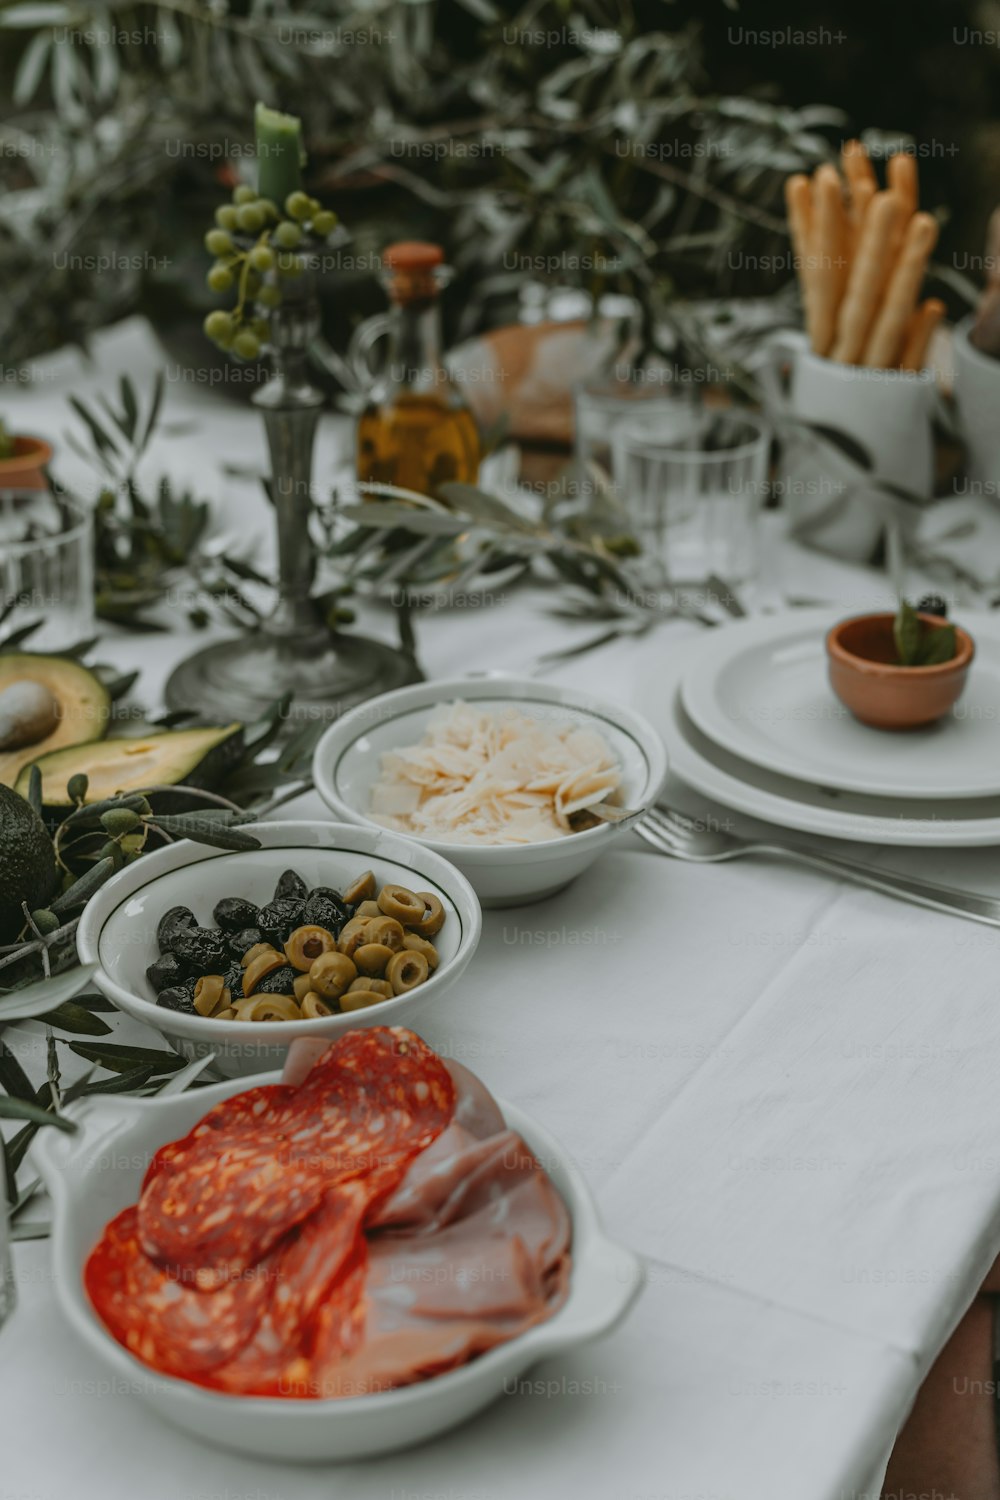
[(783, 1090)]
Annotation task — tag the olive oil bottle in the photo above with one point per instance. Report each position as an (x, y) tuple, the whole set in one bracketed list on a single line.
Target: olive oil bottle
[(416, 431)]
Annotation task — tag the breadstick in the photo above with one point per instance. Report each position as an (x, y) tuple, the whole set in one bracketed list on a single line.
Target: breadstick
[(829, 254), (857, 166), (861, 180), (862, 194), (902, 178), (798, 200), (868, 276), (922, 325), (886, 338)]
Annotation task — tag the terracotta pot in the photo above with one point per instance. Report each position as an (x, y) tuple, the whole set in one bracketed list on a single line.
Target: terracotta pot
[(867, 678), (24, 470)]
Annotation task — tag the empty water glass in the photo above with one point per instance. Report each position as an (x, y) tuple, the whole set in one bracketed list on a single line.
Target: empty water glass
[(694, 497), (46, 569)]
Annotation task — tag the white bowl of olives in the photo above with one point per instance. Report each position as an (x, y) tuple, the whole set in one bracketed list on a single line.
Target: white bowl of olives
[(324, 928)]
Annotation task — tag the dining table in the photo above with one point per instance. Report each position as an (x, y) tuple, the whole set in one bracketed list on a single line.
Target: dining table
[(783, 1090)]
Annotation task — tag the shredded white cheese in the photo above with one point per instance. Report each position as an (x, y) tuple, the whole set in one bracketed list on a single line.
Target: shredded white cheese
[(493, 778)]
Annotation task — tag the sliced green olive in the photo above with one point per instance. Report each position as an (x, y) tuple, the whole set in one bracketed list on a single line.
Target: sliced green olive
[(360, 999), (360, 889), (255, 952), (307, 943), (414, 943), (353, 934), (379, 986), (372, 958), (210, 994), (368, 909), (385, 930), (260, 967), (403, 904), (433, 916), (331, 973), (268, 1008), (313, 1006), (406, 970), (301, 987)]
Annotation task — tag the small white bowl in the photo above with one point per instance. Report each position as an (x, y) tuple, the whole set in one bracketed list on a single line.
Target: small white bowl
[(347, 763), (95, 1173), (118, 928)]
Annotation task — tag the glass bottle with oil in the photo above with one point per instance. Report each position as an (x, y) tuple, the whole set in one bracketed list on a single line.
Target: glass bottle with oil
[(416, 431)]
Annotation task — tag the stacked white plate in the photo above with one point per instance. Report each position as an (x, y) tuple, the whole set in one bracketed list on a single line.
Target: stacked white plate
[(751, 720)]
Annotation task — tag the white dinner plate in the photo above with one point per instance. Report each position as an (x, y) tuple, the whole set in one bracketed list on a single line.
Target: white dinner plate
[(759, 689), (736, 783)]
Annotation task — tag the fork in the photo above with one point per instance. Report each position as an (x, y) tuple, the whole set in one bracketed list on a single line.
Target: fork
[(673, 833)]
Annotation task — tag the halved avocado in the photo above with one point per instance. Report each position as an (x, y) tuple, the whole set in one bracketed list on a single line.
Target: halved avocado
[(194, 757), (84, 706)]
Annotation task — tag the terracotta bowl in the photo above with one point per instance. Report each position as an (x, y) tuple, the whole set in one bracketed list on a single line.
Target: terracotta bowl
[(868, 680), (24, 470)]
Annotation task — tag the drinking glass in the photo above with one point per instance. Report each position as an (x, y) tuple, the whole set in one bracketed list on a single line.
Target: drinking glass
[(603, 404), (694, 497), (46, 568)]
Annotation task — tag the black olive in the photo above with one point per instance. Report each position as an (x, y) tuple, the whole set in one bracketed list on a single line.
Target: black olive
[(280, 918), (202, 948), (290, 884), (326, 908), (166, 971), (178, 997), (242, 942), (233, 978), (233, 913), (177, 919), (278, 982)]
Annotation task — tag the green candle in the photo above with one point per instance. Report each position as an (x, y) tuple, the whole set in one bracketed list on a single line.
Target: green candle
[(280, 157)]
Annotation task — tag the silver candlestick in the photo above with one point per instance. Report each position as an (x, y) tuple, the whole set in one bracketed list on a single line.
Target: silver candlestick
[(294, 650)]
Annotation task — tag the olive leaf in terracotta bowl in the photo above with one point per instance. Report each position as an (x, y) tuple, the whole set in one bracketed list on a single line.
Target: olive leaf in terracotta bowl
[(899, 672)]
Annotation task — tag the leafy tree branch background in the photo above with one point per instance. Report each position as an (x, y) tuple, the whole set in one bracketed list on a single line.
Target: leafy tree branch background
[(637, 145)]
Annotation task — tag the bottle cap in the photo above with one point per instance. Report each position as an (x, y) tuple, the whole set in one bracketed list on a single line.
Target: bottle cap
[(412, 255)]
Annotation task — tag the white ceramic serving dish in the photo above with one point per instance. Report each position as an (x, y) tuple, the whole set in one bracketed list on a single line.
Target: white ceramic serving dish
[(118, 928), (96, 1172), (967, 823), (760, 689), (348, 760)]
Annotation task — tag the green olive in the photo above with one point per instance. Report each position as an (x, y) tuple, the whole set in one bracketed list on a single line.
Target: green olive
[(396, 901), (257, 970), (307, 943), (385, 930), (312, 1006), (372, 958), (414, 943), (406, 970), (433, 916), (368, 909), (210, 994), (378, 986), (331, 973), (360, 999), (360, 889)]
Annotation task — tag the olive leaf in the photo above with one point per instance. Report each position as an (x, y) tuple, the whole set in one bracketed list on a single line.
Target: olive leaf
[(34, 1000), (906, 632), (121, 1058), (940, 645), (919, 644), (22, 1109)]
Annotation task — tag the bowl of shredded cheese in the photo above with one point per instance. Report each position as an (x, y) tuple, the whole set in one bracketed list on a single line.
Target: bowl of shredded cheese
[(520, 784)]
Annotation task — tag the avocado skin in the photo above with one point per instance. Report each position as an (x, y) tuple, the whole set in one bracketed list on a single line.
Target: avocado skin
[(27, 862)]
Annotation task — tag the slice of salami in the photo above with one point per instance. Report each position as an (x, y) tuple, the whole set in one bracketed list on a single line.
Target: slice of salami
[(370, 1104), (237, 1114), (177, 1329)]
